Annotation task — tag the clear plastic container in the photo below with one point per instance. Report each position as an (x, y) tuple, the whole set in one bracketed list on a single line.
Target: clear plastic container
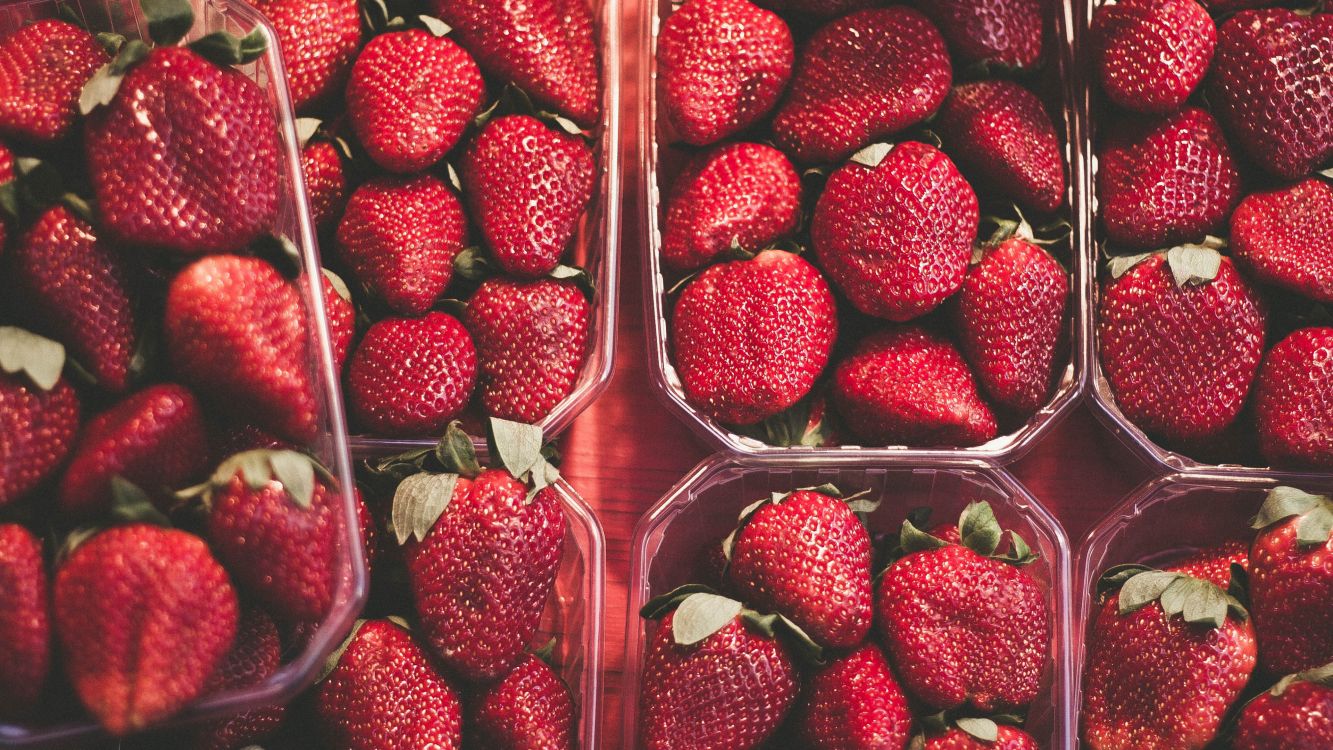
[(657, 303), (331, 445), (703, 507)]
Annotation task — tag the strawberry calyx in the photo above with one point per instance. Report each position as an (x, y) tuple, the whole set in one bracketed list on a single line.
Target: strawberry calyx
[(515, 101), (36, 186), (378, 19), (871, 155), (701, 612), (859, 502), (1018, 227), (1191, 264), (38, 358), (980, 531), (983, 728), (523, 453), (297, 473), (475, 264), (1318, 676), (1315, 512), (130, 503), (1197, 601), (793, 426)]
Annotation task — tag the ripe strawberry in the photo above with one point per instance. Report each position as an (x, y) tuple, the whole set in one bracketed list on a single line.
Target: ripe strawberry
[(386, 694), (1275, 236), (1150, 55), (910, 386), (155, 439), (723, 64), (325, 183), (1293, 401), (806, 556), (740, 194), (25, 628), (229, 438), (39, 413), (410, 97), (236, 330), (319, 41), (1000, 132), (1001, 33), (962, 625), (896, 237), (43, 67), (1291, 581), (6, 175), (1006, 738), (80, 289), (862, 77), (145, 615), (1180, 341), (1271, 86), (400, 236), (1010, 318), (254, 658), (215, 191), (341, 315), (530, 709), (751, 336), (1297, 714), (544, 47), (854, 703), (1165, 181), (527, 186), (410, 376)]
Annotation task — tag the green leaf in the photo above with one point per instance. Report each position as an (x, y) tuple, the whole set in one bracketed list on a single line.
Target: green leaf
[(1318, 676), (1143, 589), (979, 528), (518, 445), (224, 48), (418, 503), (40, 358), (913, 539), (338, 284), (110, 41), (101, 88), (1315, 527), (306, 127), (452, 174), (861, 502), (1120, 265), (983, 729), (746, 513), (455, 451), (658, 606), (871, 155), (473, 264), (1114, 577), (296, 472), (1019, 553), (1284, 502), (168, 20), (331, 663), (253, 45), (130, 504), (1193, 265), (701, 615), (434, 25)]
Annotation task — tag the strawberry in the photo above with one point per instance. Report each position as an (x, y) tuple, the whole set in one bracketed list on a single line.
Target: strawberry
[(1275, 236), (39, 412), (909, 385), (1000, 132), (1000, 33), (410, 96), (862, 77), (145, 615), (154, 439), (25, 627), (751, 336), (1291, 581), (386, 694), (1166, 180), (544, 47), (410, 376), (236, 331), (43, 67), (963, 625), (400, 236), (1181, 335), (80, 288), (1161, 676), (1271, 85), (6, 175), (532, 337), (341, 315), (1150, 55), (530, 709), (807, 556), (723, 64), (894, 231), (256, 655), (1293, 400), (854, 703), (741, 194), (1004, 737), (527, 186), (319, 40), (325, 183), (1297, 714)]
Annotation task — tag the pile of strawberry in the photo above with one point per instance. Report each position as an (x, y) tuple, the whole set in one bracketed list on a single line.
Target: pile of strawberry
[(1213, 323), (447, 196), (950, 642), (1232, 645), (913, 328)]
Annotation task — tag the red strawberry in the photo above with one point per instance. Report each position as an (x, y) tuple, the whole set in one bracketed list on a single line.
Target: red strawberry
[(1293, 400), (1291, 581), (145, 616), (1002, 33), (862, 77), (854, 703), (1165, 181), (806, 556), (545, 47), (25, 628), (1181, 335), (527, 186), (254, 658), (1276, 237), (1272, 86), (39, 413), (1005, 738), (319, 40), (723, 64), (341, 315), (910, 386), (740, 194), (386, 694), (1297, 714), (400, 236), (410, 376), (6, 175), (325, 183), (43, 67), (1000, 131), (372, 546), (963, 626), (1150, 55), (896, 235), (230, 438), (532, 337), (410, 97), (237, 331), (155, 439), (80, 289), (214, 191), (530, 709), (751, 336)]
